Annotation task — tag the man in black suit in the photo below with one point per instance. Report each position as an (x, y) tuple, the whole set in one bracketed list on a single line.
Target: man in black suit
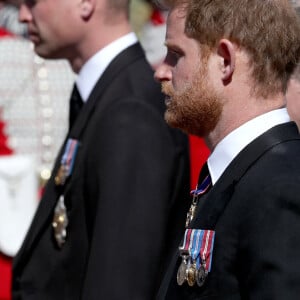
[(120, 180), (225, 75)]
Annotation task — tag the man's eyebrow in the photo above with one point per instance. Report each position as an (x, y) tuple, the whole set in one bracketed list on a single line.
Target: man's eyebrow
[(172, 46)]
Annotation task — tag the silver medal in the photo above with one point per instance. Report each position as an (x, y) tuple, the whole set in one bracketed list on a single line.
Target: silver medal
[(60, 222), (181, 273), (201, 274)]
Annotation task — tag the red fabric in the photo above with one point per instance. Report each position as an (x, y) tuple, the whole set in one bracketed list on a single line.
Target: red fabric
[(157, 17), (4, 149), (4, 32), (5, 275), (5, 262), (198, 156)]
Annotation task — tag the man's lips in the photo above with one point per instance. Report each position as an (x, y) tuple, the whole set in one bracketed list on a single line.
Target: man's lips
[(33, 36)]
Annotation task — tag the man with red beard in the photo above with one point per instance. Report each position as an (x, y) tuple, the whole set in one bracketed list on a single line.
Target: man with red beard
[(225, 75), (152, 37)]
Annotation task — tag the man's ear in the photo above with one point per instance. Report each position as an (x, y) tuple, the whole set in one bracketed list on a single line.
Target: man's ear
[(227, 52), (86, 8)]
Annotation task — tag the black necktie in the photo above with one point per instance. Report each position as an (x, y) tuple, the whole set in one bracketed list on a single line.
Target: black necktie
[(76, 104), (203, 173)]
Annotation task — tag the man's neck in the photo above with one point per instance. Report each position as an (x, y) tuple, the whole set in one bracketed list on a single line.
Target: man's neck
[(237, 115), (95, 41)]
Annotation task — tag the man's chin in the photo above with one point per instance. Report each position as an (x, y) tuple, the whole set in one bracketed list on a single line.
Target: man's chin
[(172, 120), (187, 127), (40, 50), (44, 52)]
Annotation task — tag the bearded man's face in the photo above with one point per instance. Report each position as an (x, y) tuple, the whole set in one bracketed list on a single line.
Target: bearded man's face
[(196, 108)]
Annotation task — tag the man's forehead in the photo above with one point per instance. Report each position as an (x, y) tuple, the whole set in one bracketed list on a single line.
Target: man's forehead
[(175, 25), (176, 18)]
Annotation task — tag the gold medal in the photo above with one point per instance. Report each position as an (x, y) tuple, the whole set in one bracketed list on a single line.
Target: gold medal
[(191, 275), (61, 175), (60, 222), (181, 273)]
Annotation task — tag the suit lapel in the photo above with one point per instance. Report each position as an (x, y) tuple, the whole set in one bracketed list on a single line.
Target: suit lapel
[(213, 204), (42, 217), (219, 196), (45, 210), (122, 61)]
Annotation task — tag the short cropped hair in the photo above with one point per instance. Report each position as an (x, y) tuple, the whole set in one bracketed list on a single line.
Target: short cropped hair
[(268, 30), (118, 5), (116, 9)]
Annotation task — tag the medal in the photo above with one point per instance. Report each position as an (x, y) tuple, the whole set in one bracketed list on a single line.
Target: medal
[(201, 275), (205, 185), (181, 273), (191, 274), (185, 254), (196, 252), (67, 162), (60, 218), (191, 213), (60, 222), (61, 175)]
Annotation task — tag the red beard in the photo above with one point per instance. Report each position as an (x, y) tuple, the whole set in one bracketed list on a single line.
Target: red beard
[(196, 109)]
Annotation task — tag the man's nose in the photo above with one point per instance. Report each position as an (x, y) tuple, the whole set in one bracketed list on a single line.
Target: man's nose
[(24, 14), (163, 73)]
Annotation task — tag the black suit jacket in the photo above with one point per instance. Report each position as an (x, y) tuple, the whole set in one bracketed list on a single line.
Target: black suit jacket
[(126, 197), (254, 209)]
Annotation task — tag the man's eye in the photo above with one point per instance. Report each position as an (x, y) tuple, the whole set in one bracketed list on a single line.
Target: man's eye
[(30, 3), (172, 57)]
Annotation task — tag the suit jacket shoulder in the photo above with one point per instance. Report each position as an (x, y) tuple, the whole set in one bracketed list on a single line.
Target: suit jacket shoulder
[(255, 213)]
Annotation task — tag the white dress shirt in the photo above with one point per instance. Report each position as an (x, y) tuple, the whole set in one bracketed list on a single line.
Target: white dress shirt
[(96, 65), (237, 140)]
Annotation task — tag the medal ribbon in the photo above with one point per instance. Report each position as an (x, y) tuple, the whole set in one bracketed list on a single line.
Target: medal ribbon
[(204, 186), (196, 246), (69, 155), (60, 219), (202, 247), (207, 248), (186, 240)]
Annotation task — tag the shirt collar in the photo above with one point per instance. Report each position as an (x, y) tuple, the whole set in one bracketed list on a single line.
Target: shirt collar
[(238, 139), (96, 65)]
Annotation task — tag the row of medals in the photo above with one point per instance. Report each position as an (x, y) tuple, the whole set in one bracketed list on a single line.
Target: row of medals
[(187, 271), (60, 218)]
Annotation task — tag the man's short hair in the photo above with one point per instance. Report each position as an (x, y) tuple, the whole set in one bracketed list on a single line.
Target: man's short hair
[(118, 5), (116, 9), (269, 31)]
